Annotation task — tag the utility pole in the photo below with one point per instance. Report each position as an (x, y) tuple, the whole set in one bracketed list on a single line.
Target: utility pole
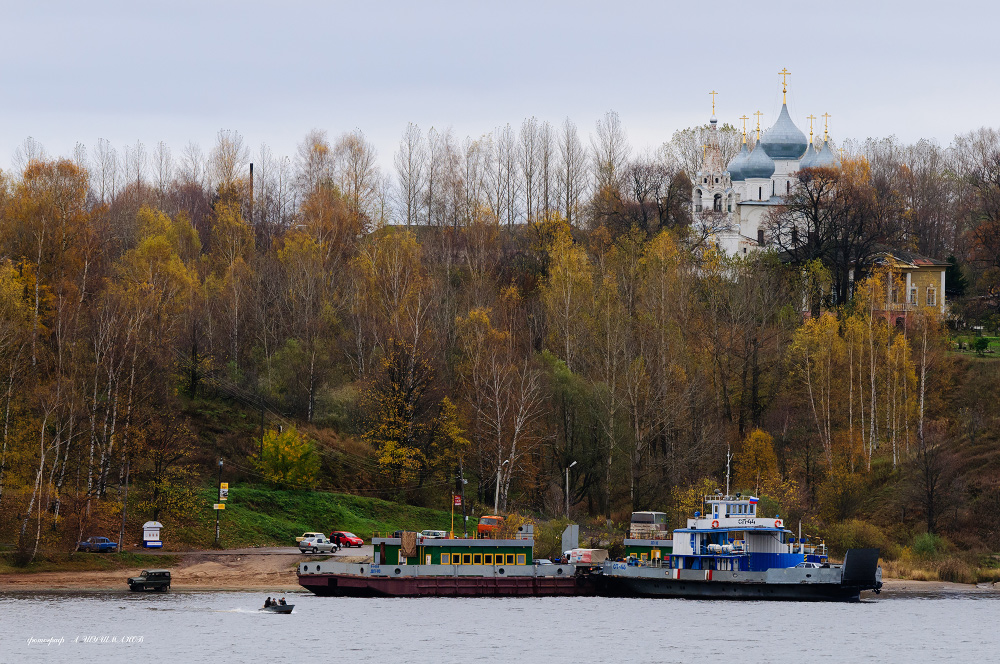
[(461, 486), (567, 487), (218, 497), (496, 498)]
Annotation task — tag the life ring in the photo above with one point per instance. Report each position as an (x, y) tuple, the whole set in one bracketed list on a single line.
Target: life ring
[(777, 523), (715, 524)]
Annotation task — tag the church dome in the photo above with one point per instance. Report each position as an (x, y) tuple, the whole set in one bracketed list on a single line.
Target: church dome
[(784, 140), (735, 167), (809, 158), (758, 164), (826, 158)]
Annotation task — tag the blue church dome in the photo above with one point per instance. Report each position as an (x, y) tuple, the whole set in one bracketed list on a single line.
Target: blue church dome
[(735, 167), (809, 158), (826, 158), (784, 140), (758, 164)]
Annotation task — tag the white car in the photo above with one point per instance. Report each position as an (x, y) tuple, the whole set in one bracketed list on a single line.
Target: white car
[(318, 544), (434, 534)]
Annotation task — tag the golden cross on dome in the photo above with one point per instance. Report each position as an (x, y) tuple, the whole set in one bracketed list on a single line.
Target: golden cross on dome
[(810, 118), (744, 118), (826, 126), (713, 93), (784, 74), (758, 114)]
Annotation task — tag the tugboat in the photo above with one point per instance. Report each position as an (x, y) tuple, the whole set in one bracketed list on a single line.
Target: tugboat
[(732, 552)]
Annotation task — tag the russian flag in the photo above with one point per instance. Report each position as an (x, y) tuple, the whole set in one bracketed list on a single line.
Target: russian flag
[(753, 500)]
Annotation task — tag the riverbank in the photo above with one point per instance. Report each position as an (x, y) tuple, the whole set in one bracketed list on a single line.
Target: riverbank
[(239, 569)]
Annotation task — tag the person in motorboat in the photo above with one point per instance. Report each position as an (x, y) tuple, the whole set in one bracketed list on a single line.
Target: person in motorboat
[(282, 602), (267, 603)]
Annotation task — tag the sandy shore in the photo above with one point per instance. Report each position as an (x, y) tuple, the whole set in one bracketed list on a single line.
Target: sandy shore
[(193, 571)]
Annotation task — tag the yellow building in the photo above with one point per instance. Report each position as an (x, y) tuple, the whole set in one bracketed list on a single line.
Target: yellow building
[(917, 282)]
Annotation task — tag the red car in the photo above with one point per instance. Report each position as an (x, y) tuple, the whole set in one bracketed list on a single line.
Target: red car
[(344, 538)]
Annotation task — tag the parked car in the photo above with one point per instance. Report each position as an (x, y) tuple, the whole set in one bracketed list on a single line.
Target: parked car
[(97, 545), (307, 535), (318, 544), (541, 561), (345, 538), (434, 534), (489, 524), (150, 579)]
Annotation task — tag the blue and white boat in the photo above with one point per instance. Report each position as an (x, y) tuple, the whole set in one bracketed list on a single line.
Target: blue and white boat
[(733, 552)]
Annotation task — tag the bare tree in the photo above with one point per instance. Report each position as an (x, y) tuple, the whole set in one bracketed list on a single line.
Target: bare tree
[(229, 158), (571, 175), (313, 162), (192, 164), (163, 168), (611, 152), (106, 170), (411, 174), (356, 171), (527, 162)]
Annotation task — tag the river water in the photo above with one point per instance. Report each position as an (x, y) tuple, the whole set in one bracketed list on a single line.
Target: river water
[(225, 627)]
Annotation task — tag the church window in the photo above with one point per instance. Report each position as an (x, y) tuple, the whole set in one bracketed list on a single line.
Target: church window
[(760, 193), (788, 186), (717, 203), (716, 180), (705, 180), (931, 297)]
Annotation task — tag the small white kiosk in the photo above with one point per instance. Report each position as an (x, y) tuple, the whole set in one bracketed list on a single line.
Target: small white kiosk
[(151, 535)]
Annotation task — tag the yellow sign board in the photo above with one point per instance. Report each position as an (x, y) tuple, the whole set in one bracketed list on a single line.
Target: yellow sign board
[(219, 506), (224, 491)]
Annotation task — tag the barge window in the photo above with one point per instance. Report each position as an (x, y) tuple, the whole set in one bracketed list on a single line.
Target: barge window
[(477, 559), (466, 558), (509, 560), (522, 559), (487, 558), (445, 558)]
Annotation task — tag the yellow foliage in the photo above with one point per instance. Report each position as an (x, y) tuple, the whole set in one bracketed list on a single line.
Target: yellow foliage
[(288, 459), (757, 464)]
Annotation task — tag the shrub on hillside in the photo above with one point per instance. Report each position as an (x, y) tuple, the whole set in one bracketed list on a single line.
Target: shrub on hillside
[(857, 534), (929, 545), (288, 459)]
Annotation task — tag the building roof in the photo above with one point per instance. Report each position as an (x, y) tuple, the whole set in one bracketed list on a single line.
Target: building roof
[(907, 258), (758, 165), (784, 140), (735, 167)]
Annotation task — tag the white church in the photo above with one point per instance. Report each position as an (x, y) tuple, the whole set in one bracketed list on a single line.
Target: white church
[(734, 199)]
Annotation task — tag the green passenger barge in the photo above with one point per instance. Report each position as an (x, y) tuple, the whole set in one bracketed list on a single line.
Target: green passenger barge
[(414, 566)]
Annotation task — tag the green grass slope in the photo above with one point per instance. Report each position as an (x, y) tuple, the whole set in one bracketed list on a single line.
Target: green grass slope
[(257, 516)]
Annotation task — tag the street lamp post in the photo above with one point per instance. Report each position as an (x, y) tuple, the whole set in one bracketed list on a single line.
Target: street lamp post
[(567, 487), (217, 511), (496, 498)]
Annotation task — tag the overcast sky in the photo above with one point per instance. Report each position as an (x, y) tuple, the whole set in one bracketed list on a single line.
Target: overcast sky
[(180, 71)]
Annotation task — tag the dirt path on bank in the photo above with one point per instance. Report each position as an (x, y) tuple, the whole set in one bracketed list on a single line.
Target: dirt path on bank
[(244, 569)]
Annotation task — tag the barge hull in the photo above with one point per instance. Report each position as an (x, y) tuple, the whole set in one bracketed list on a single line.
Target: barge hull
[(344, 585), (811, 592)]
